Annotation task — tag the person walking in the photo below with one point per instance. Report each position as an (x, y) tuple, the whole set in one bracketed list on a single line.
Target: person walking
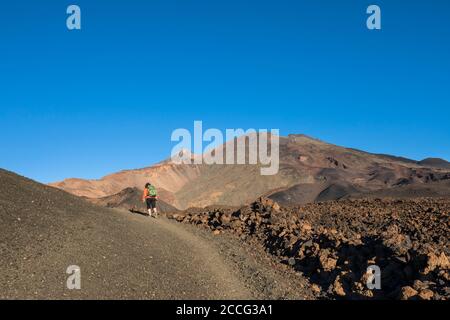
[(150, 197)]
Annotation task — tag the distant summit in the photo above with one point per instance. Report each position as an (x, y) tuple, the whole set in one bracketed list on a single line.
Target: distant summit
[(435, 162)]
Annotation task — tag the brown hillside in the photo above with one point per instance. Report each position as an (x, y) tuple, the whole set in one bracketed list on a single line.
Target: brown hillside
[(310, 170)]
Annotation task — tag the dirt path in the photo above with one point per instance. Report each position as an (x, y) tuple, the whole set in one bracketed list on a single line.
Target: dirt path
[(182, 264), (127, 256), (123, 256), (202, 258)]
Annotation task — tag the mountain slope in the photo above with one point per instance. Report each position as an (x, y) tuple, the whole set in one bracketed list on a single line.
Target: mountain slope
[(437, 189), (121, 255), (169, 178), (435, 162), (305, 161)]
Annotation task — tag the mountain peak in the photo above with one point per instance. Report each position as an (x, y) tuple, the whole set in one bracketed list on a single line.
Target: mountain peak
[(300, 137)]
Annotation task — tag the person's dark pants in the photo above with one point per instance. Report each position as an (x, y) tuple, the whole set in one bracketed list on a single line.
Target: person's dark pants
[(151, 203)]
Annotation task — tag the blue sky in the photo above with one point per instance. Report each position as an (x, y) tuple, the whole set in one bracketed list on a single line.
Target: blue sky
[(106, 98)]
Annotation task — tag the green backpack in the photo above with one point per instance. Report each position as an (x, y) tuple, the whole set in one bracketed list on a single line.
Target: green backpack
[(151, 191)]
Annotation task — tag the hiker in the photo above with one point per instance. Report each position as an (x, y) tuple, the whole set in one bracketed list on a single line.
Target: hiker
[(150, 197)]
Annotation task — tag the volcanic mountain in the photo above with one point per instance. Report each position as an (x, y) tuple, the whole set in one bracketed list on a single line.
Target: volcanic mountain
[(310, 170)]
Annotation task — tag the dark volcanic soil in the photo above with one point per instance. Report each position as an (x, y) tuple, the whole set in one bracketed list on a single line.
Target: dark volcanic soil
[(121, 255), (333, 243)]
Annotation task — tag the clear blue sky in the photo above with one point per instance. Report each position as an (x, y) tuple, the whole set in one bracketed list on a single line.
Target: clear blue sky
[(90, 102)]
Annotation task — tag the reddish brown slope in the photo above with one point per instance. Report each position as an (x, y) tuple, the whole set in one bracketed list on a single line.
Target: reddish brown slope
[(324, 172)]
